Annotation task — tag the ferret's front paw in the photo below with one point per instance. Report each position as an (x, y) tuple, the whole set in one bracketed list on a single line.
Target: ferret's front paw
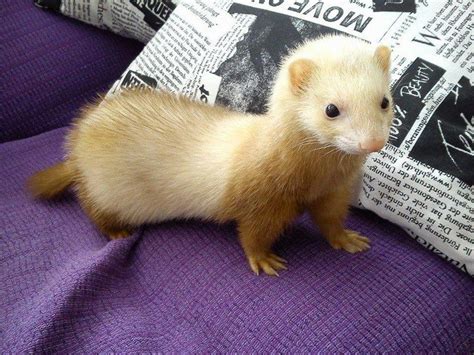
[(350, 241), (269, 263)]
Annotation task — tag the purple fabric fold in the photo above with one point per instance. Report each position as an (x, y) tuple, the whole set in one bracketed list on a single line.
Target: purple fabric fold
[(185, 285)]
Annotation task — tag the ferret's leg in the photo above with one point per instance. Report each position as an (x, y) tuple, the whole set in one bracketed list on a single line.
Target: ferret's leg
[(257, 242), (257, 235), (329, 213), (107, 223)]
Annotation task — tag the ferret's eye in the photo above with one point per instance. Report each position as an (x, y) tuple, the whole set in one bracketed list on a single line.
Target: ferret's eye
[(384, 103), (332, 111)]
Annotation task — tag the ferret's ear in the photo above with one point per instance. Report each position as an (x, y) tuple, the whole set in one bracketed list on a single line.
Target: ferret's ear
[(300, 72), (382, 57)]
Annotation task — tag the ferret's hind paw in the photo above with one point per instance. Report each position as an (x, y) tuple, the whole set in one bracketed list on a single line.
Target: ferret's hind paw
[(270, 264), (351, 242), (118, 234)]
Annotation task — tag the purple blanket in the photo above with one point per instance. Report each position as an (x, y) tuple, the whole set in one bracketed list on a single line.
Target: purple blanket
[(50, 66), (184, 286)]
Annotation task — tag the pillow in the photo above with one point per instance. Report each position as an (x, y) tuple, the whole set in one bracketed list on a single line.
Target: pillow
[(228, 52), (138, 19)]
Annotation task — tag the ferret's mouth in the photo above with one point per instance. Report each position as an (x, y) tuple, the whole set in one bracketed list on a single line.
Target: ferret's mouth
[(357, 151), (362, 148)]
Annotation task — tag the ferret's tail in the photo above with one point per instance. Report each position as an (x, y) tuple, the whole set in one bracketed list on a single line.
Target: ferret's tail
[(51, 182)]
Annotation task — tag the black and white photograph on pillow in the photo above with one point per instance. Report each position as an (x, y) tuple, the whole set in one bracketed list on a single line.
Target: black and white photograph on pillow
[(409, 94), (248, 74), (447, 142)]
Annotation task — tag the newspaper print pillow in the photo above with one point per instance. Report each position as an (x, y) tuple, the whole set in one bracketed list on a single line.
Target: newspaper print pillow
[(137, 19), (228, 52)]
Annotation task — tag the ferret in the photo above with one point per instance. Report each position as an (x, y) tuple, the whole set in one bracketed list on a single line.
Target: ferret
[(150, 156)]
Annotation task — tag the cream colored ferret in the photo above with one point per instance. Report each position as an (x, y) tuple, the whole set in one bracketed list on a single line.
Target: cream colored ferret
[(146, 157)]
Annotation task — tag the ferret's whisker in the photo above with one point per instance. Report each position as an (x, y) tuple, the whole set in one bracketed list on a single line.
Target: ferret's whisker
[(330, 151), (305, 142), (308, 142), (323, 147), (341, 159)]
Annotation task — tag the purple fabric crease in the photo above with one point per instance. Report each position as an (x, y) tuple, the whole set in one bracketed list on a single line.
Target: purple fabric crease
[(183, 286)]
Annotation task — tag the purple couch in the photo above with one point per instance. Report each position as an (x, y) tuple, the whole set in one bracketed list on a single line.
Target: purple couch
[(183, 286)]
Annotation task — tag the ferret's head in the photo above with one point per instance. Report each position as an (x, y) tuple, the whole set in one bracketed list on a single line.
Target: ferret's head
[(337, 88)]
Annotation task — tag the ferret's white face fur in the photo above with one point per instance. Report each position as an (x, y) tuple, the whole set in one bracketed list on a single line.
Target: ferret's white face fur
[(339, 87)]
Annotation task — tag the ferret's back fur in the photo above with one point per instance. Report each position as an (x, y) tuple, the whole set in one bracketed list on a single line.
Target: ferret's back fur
[(148, 156)]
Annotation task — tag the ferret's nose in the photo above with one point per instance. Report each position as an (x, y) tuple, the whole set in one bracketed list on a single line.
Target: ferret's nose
[(371, 145)]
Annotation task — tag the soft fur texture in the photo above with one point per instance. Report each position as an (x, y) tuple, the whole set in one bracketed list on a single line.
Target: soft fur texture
[(152, 156)]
